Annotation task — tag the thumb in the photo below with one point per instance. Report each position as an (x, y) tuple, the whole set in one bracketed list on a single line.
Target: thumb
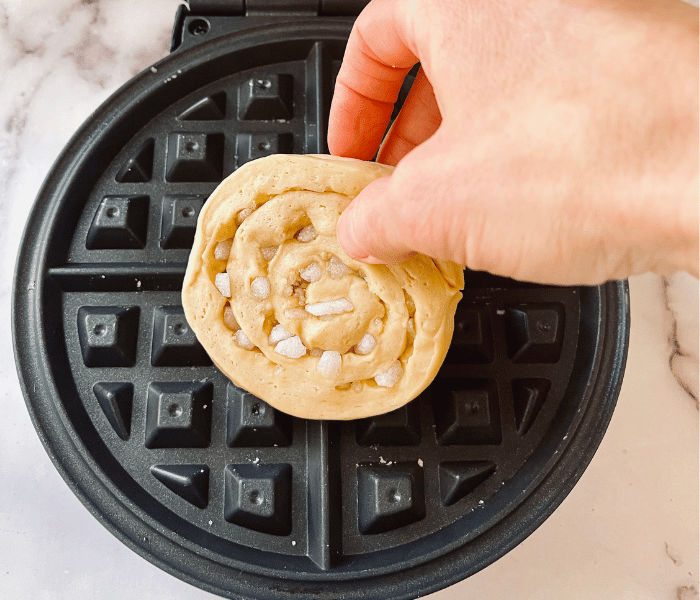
[(415, 209), (368, 229)]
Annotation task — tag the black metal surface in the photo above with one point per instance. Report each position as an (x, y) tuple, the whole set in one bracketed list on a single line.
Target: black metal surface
[(207, 481), (280, 7)]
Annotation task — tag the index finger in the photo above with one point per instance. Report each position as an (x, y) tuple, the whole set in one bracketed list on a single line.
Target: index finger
[(377, 58)]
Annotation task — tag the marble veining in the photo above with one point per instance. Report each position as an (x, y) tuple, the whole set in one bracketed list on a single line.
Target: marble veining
[(629, 528), (685, 592), (682, 339), (81, 40)]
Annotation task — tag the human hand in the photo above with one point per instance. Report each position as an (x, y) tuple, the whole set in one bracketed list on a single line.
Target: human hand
[(558, 142)]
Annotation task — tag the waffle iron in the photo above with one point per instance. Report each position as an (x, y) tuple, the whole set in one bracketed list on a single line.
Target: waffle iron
[(202, 478)]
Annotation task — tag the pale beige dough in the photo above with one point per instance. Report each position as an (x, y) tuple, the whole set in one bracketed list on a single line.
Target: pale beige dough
[(407, 308)]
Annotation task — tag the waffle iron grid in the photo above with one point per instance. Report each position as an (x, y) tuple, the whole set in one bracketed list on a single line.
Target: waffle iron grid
[(206, 464)]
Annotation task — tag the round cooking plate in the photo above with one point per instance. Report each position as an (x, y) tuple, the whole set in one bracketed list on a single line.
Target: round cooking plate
[(207, 481)]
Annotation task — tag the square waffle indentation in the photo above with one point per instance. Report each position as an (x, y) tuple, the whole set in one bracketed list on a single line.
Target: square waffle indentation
[(179, 414), (250, 146), (250, 422), (472, 341), (535, 332), (266, 98), (179, 221), (258, 497), (389, 497), (108, 335), (193, 157), (466, 411), (120, 223), (174, 342)]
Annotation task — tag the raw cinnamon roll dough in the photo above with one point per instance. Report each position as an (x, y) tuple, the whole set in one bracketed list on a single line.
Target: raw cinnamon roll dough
[(306, 328)]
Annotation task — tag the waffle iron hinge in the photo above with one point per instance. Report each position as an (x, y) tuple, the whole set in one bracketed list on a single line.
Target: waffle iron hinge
[(203, 19), (348, 8)]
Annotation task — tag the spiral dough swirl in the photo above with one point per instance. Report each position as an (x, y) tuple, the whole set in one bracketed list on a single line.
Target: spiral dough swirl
[(286, 314)]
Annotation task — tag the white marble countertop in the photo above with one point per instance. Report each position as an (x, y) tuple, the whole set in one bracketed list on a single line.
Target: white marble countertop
[(629, 529)]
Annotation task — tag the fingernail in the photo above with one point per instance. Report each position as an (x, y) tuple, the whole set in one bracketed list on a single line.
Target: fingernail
[(372, 260)]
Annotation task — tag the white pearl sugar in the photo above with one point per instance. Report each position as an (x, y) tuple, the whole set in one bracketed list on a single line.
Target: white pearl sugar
[(311, 273), (366, 344), (269, 252), (260, 288), (243, 340), (230, 319), (330, 363), (337, 268), (316, 352), (333, 307), (223, 249), (410, 327), (223, 284), (244, 214), (278, 334), (291, 347), (390, 377), (306, 234)]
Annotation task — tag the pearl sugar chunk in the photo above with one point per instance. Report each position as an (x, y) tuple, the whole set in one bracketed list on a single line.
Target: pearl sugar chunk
[(330, 363), (337, 268), (269, 252), (311, 273), (243, 340), (223, 284), (278, 334), (333, 307), (390, 377), (411, 328), (306, 234), (366, 344), (230, 319), (223, 249), (244, 214), (260, 288), (291, 347)]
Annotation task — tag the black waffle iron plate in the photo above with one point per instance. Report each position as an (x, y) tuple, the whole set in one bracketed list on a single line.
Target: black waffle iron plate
[(207, 481)]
